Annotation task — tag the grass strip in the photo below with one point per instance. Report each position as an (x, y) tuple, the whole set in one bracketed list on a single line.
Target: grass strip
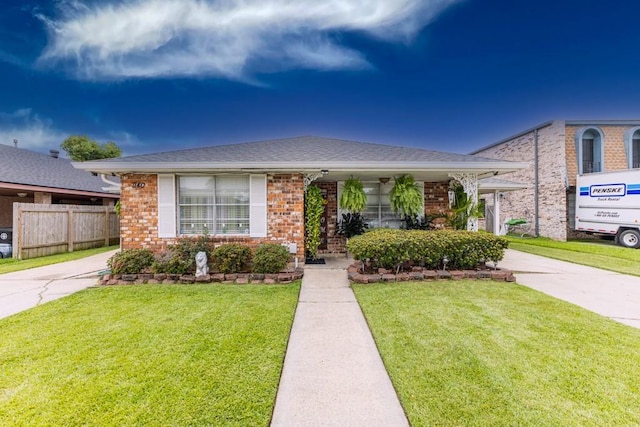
[(605, 255), (478, 353), (147, 355), (8, 265)]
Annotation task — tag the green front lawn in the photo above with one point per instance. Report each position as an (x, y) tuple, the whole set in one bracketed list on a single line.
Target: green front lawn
[(8, 265), (484, 353), (599, 254), (147, 355)]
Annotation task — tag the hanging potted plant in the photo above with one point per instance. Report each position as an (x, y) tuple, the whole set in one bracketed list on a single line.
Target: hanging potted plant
[(353, 199), (313, 209), (405, 197)]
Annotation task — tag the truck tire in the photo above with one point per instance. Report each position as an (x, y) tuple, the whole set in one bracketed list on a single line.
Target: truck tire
[(629, 238)]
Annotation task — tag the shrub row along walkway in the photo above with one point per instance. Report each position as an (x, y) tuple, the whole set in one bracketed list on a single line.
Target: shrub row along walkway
[(333, 374)]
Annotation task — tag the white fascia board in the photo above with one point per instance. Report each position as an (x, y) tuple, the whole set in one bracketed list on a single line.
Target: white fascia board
[(154, 167)]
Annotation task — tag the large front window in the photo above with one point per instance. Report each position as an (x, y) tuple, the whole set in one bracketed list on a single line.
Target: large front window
[(214, 204), (378, 213)]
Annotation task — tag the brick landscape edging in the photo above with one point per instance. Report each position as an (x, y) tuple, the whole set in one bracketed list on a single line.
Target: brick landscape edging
[(420, 273), (239, 278)]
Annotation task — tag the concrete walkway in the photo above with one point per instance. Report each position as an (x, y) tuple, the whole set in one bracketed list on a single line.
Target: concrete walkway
[(25, 289), (333, 374), (613, 295)]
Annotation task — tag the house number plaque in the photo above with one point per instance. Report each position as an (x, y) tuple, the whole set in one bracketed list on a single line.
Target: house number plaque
[(138, 185)]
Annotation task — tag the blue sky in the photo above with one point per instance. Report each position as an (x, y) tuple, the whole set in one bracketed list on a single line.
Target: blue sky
[(446, 75)]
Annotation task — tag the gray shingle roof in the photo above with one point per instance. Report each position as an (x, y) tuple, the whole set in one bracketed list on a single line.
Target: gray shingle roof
[(300, 149), (20, 166)]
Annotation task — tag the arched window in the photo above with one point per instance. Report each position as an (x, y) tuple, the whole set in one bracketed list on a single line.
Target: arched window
[(632, 147), (589, 150)]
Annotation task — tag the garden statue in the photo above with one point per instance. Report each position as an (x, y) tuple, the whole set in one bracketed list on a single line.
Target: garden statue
[(202, 269)]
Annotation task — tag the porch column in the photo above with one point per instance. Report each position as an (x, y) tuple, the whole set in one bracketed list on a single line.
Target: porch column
[(496, 213), (469, 182)]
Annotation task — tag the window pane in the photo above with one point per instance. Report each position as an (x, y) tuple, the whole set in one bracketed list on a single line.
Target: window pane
[(195, 199), (589, 163), (378, 212), (214, 205), (635, 152), (232, 204)]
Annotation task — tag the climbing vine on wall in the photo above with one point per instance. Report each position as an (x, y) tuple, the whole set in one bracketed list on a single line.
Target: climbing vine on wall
[(313, 209)]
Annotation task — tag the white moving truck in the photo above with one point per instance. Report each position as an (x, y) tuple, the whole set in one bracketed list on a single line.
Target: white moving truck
[(609, 203)]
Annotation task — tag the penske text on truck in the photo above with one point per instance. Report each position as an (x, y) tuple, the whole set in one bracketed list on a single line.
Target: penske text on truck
[(609, 203)]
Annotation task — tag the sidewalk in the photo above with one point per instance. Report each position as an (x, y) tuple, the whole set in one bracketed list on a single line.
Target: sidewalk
[(333, 374), (613, 295), (25, 289)]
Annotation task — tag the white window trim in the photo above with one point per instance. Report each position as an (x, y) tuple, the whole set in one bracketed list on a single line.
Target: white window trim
[(628, 144), (578, 143), (168, 207)]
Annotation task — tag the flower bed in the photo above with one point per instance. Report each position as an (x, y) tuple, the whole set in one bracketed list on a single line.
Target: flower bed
[(197, 260), (162, 278), (358, 274)]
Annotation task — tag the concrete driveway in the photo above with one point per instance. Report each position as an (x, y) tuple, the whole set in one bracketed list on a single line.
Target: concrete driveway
[(613, 295), (25, 289)]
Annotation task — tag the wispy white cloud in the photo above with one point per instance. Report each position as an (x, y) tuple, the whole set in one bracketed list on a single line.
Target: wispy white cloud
[(32, 131), (226, 38), (38, 133)]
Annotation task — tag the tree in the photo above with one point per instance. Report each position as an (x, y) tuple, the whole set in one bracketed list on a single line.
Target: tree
[(80, 148)]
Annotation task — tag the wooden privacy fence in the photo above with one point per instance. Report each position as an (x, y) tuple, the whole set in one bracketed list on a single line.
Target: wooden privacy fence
[(40, 230)]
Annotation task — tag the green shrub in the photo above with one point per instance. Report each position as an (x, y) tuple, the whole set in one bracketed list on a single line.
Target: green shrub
[(270, 258), (352, 224), (172, 263), (231, 258), (131, 261), (392, 249), (183, 254)]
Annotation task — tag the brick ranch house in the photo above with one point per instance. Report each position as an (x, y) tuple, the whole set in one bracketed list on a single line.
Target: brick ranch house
[(557, 151), (254, 192)]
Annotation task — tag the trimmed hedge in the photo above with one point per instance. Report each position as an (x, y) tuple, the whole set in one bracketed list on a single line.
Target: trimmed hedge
[(231, 258), (270, 258), (131, 261), (179, 259), (391, 249)]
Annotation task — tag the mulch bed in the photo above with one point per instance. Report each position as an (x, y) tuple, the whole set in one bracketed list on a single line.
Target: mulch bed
[(358, 274), (239, 278)]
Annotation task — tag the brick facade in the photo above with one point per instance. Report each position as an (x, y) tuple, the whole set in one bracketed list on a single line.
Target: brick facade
[(552, 178), (335, 242), (558, 167), (436, 197), (139, 214), (615, 157), (285, 213)]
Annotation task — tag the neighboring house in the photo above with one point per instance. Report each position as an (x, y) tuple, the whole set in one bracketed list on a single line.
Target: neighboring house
[(31, 177), (254, 192), (557, 151)]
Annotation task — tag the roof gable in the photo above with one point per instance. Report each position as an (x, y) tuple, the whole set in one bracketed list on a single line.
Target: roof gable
[(298, 150), (20, 166)]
